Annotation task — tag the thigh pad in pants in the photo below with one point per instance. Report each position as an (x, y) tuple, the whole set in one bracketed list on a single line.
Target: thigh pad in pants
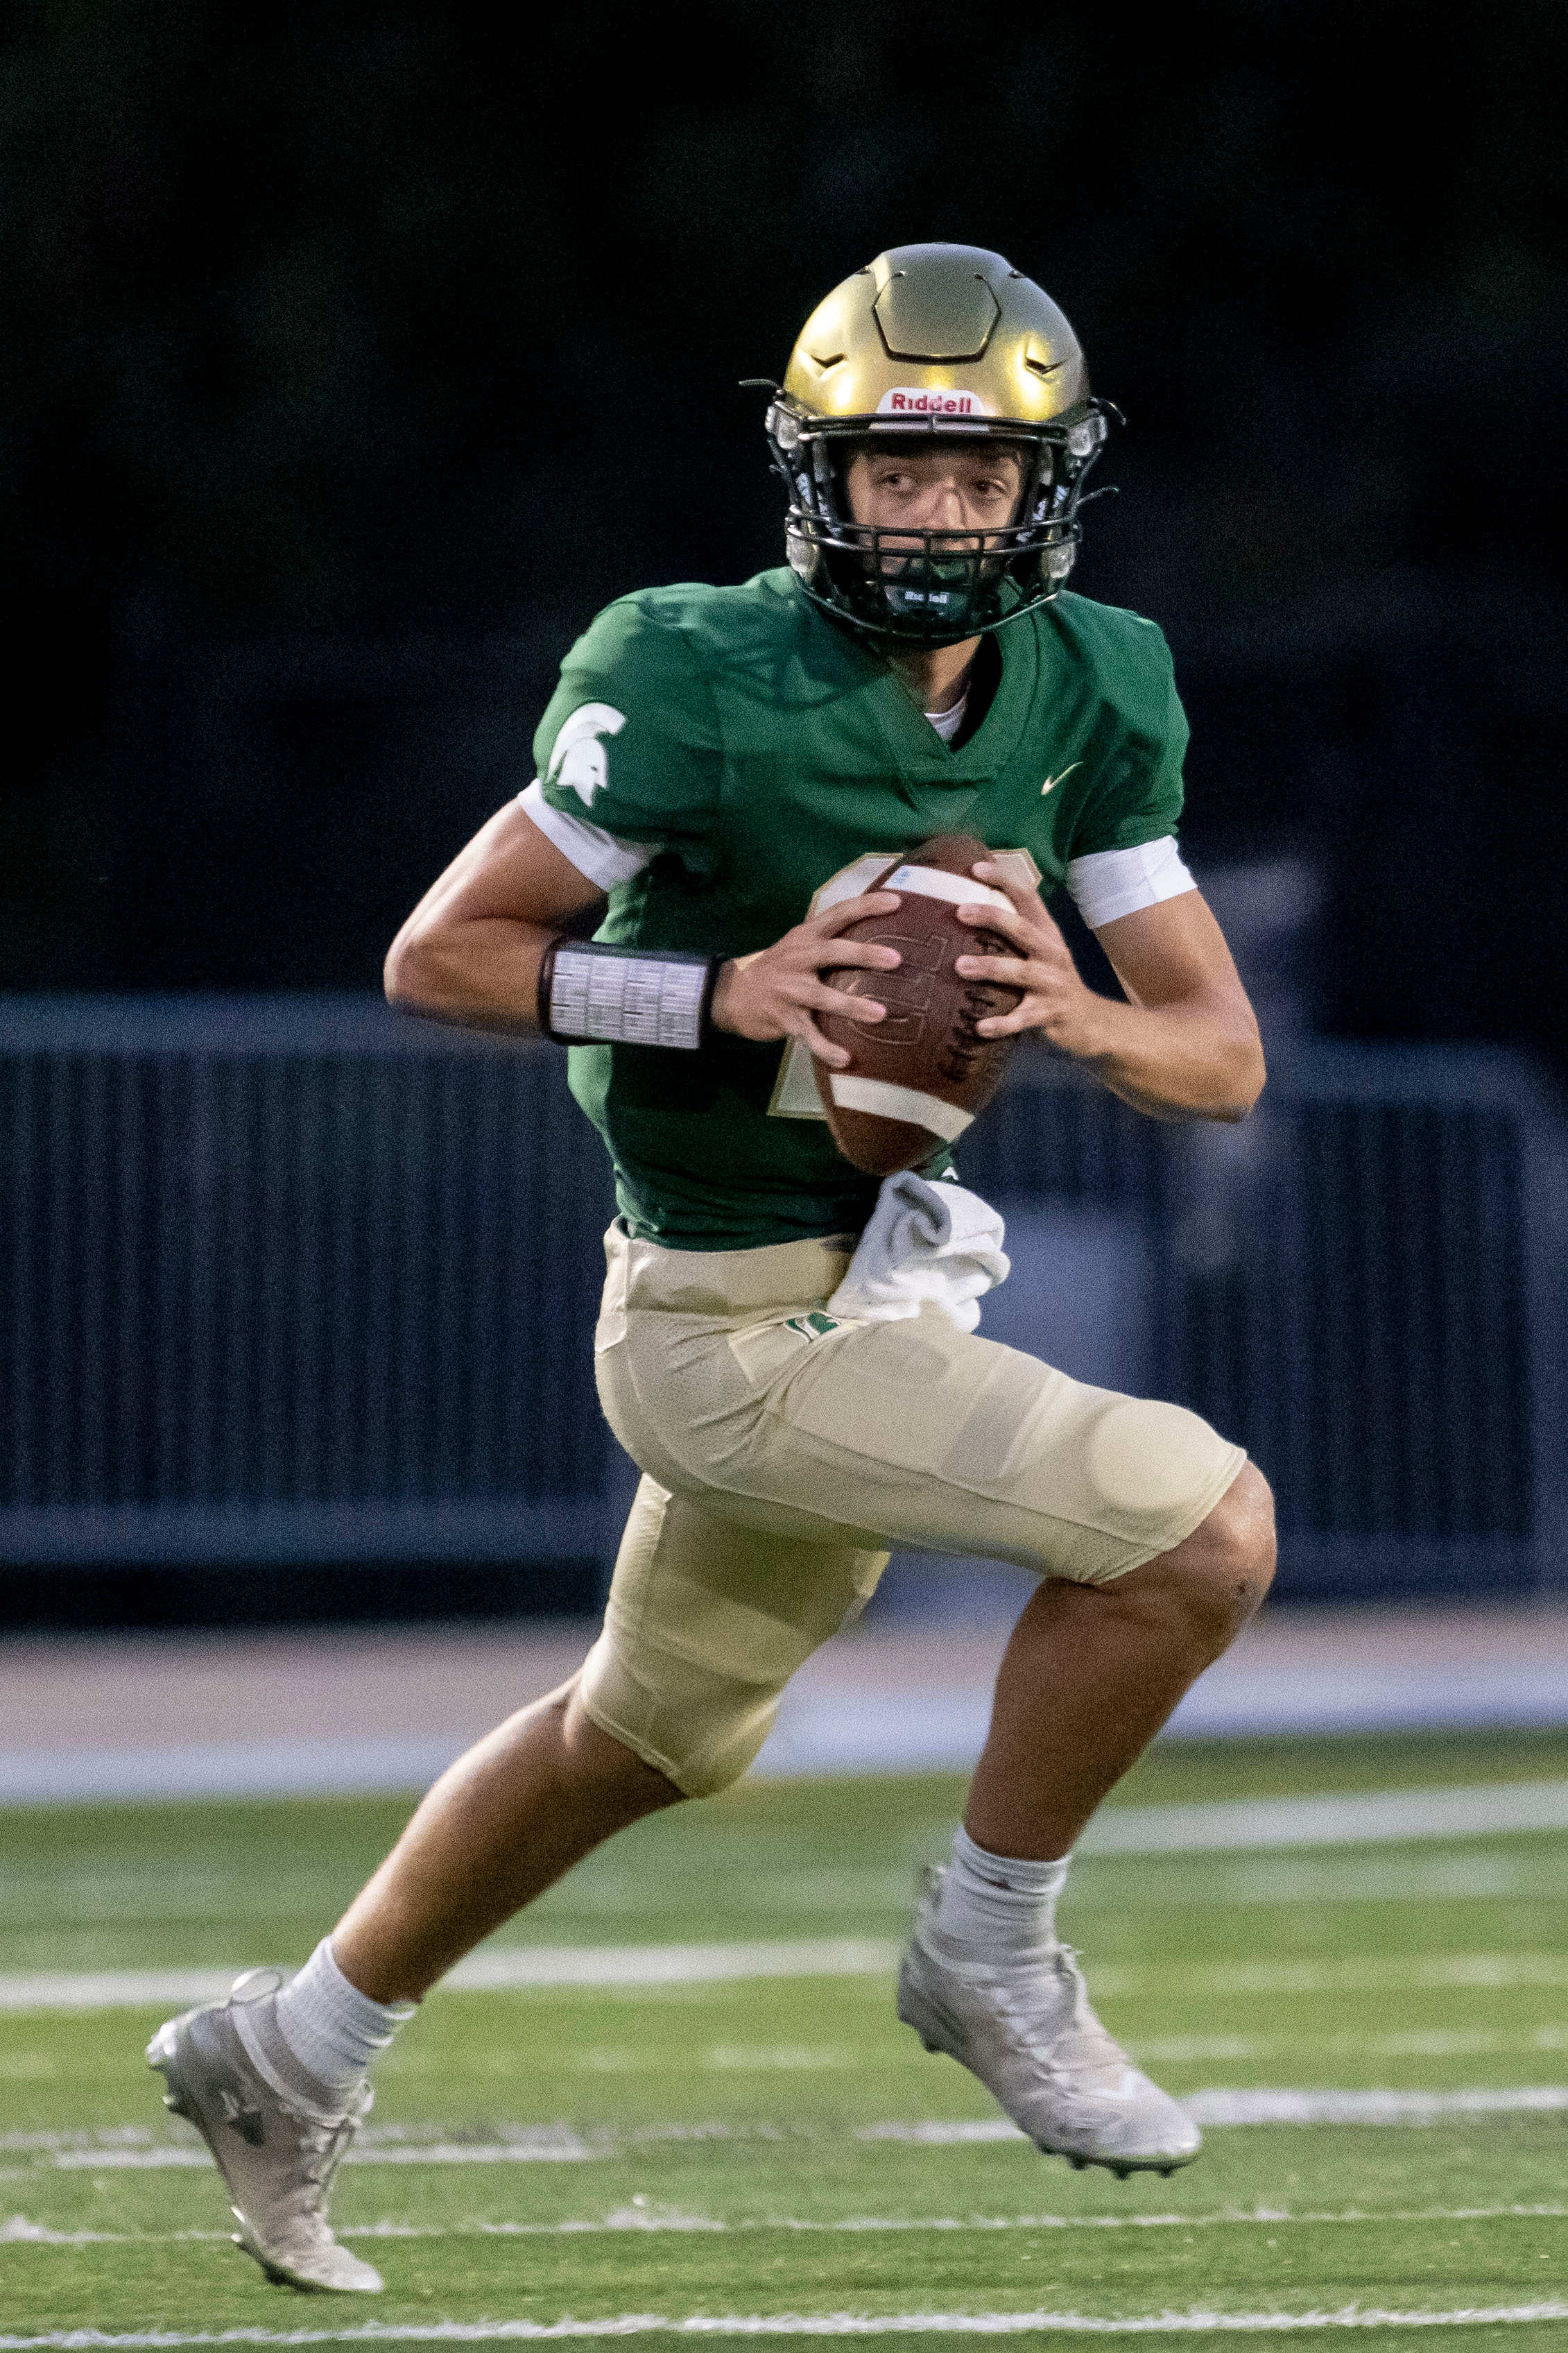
[(786, 1452), (707, 1622)]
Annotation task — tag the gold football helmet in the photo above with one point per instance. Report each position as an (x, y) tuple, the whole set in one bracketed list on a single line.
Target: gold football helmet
[(934, 340)]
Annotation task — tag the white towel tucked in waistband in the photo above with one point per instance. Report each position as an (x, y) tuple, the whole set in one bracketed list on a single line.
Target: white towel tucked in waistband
[(923, 1241)]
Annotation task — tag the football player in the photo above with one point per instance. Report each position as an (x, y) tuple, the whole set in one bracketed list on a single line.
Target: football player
[(712, 758)]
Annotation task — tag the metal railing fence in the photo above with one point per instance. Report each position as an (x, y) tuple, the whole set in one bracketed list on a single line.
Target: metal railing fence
[(299, 1279)]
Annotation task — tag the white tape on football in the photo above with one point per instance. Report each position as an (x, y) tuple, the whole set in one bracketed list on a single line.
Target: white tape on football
[(906, 1103), (931, 882)]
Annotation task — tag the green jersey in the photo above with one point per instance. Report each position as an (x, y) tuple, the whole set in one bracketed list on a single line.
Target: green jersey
[(740, 750)]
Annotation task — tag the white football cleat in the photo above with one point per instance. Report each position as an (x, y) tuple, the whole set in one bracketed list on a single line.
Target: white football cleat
[(276, 2146), (1033, 2041)]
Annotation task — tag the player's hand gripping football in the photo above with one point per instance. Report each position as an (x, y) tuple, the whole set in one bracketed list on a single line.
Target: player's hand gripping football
[(1055, 997), (778, 992)]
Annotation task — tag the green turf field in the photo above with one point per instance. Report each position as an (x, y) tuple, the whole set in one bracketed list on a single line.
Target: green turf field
[(780, 2146)]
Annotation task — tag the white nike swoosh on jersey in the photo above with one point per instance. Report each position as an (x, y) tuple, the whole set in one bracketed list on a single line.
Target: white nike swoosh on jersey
[(1052, 782)]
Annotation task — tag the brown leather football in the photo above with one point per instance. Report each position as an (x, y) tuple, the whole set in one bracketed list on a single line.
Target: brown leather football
[(917, 1078)]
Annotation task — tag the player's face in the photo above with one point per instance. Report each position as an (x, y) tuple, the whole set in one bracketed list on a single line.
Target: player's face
[(969, 488)]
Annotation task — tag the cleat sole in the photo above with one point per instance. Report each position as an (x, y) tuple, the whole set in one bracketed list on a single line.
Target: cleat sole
[(272, 2273), (1122, 2167)]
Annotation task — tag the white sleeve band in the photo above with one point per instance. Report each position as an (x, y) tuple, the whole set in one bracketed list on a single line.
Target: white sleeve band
[(593, 851), (1112, 882)]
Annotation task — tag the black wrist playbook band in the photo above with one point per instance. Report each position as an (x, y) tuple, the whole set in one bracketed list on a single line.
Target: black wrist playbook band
[(589, 991)]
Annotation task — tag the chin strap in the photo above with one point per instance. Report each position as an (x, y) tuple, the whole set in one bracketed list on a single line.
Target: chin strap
[(590, 992)]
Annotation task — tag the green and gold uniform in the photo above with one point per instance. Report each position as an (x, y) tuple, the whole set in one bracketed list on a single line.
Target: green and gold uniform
[(763, 748), (713, 756)]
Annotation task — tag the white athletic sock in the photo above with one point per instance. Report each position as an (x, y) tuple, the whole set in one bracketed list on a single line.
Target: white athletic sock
[(1004, 1910), (332, 2029)]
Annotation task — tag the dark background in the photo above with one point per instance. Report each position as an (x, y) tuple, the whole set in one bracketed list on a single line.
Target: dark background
[(356, 356)]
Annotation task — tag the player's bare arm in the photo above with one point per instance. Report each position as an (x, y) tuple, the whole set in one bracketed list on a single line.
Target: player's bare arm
[(470, 951), (1185, 1046)]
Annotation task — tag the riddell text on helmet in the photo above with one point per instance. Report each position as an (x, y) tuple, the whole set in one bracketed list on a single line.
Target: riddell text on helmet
[(917, 400)]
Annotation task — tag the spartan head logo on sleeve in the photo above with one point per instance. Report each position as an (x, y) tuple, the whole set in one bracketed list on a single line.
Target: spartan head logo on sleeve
[(578, 760)]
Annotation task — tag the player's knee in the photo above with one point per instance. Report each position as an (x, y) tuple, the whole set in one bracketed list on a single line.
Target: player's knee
[(599, 1760), (717, 1765), (712, 1741), (696, 1730), (1242, 1530), (1227, 1565), (711, 1760)]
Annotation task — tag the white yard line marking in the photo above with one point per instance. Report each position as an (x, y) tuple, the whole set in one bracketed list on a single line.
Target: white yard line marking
[(1221, 2109), (19, 2232), (794, 2324), (1216, 2109), (1266, 2217), (1324, 2107), (1361, 1817), (1170, 2049), (546, 2147), (507, 1970), (1358, 1819), (1435, 1874), (1435, 2042), (107, 2136), (660, 1965), (628, 1968), (129, 2160), (114, 1989), (1357, 1973), (639, 2216)]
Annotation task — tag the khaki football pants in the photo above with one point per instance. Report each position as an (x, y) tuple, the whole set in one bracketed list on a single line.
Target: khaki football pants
[(784, 1453)]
